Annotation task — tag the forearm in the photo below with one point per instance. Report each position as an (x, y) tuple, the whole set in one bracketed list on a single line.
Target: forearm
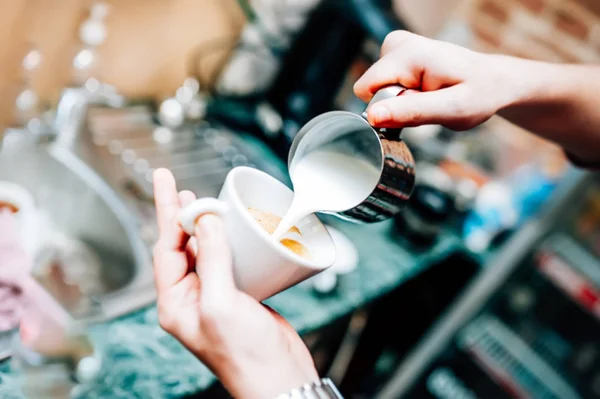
[(557, 102)]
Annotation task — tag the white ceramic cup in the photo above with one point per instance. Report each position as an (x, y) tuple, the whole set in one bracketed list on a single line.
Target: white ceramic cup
[(262, 266)]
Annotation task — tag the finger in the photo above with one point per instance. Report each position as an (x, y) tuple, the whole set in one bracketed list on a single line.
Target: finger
[(169, 257), (186, 197), (170, 267), (443, 107), (396, 40), (190, 253), (171, 237), (389, 70), (213, 262)]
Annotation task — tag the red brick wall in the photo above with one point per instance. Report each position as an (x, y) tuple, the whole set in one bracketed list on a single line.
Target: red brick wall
[(545, 30), (549, 30)]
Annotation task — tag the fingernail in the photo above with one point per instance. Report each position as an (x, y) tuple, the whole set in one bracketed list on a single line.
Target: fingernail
[(380, 113), (160, 172), (160, 175)]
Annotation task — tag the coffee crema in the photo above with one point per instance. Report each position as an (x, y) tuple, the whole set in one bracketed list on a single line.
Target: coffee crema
[(269, 223)]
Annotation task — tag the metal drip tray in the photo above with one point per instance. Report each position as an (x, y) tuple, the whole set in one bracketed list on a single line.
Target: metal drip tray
[(125, 147), (199, 157)]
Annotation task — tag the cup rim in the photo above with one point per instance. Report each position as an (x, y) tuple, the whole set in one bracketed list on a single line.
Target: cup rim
[(280, 249), (17, 196)]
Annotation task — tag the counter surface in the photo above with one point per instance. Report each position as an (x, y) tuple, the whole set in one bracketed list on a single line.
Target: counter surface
[(141, 361)]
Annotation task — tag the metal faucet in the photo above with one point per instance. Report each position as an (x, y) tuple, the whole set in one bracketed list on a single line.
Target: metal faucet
[(71, 112), (72, 108)]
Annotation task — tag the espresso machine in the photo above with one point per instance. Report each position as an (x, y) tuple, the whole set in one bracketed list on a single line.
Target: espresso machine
[(312, 70)]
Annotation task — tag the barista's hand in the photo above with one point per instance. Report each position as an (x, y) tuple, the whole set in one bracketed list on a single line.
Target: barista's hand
[(251, 349), (454, 86), (460, 88)]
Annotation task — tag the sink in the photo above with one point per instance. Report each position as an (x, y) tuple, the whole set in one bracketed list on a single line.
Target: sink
[(80, 205), (89, 183)]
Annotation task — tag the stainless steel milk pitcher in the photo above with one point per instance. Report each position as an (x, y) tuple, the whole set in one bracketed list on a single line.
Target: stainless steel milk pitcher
[(351, 134)]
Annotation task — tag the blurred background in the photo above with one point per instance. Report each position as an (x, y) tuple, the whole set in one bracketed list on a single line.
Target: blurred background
[(486, 285), (147, 53)]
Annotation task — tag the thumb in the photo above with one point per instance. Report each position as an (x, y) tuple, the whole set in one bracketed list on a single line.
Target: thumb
[(214, 262), (440, 107)]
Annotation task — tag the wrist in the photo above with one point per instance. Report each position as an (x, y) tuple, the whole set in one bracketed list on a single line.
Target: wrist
[(518, 80), (529, 82), (266, 381), (553, 101)]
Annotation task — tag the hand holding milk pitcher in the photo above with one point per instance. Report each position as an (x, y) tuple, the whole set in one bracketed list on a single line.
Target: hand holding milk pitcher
[(339, 164)]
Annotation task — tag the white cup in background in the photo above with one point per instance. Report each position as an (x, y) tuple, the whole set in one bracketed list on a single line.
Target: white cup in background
[(262, 266)]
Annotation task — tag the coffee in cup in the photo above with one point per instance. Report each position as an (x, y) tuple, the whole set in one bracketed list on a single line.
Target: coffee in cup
[(269, 222)]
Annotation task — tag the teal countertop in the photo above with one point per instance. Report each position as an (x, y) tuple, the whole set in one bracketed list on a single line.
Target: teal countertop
[(141, 361)]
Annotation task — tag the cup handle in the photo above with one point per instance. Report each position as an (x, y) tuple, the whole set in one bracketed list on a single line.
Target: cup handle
[(190, 214)]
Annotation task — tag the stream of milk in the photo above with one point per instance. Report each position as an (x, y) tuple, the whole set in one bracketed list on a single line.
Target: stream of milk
[(326, 181)]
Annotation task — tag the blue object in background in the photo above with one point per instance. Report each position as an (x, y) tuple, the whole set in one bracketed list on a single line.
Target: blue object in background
[(502, 206), (531, 188)]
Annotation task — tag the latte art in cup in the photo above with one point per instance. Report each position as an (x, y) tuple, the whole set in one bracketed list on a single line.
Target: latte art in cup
[(269, 223)]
